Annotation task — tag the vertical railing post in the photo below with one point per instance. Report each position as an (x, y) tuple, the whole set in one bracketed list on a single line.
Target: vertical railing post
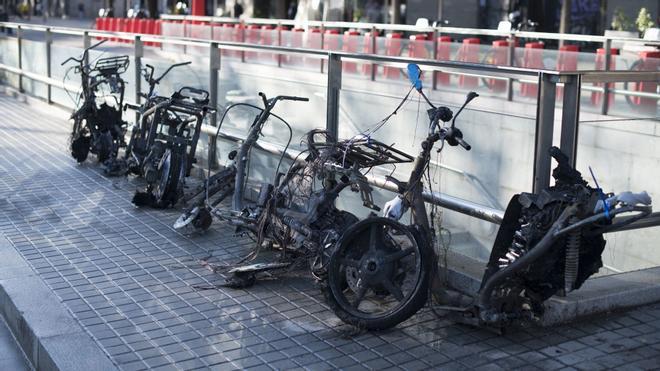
[(545, 119), (435, 57), (570, 116), (49, 41), (279, 43), (242, 28), (19, 40), (322, 45), (87, 42), (138, 53), (374, 39), (607, 44), (334, 87), (214, 68), (511, 58)]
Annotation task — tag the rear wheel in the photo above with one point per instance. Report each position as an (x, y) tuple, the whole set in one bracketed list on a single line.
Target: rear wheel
[(171, 170), (379, 274)]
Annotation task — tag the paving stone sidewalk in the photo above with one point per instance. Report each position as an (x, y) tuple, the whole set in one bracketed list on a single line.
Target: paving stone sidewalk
[(144, 293)]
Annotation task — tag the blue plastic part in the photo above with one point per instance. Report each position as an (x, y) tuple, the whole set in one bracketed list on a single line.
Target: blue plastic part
[(415, 75)]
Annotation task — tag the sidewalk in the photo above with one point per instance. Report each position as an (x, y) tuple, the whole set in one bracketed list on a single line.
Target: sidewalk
[(146, 295)]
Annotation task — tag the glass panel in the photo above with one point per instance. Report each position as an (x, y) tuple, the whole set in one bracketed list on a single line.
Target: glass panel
[(9, 56), (624, 156)]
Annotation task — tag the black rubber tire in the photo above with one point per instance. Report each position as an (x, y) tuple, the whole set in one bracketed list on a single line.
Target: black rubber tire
[(167, 191), (80, 143), (80, 148), (413, 303), (105, 146)]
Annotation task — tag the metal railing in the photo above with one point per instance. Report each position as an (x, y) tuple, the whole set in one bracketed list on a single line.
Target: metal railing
[(546, 98), (511, 36), (437, 30)]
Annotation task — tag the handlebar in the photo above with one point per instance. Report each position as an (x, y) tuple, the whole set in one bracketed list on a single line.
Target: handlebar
[(464, 144), (289, 97), (270, 103), (156, 81), (69, 59), (85, 52)]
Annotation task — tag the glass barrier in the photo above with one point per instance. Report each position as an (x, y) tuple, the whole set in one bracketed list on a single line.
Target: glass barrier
[(9, 56), (624, 156)]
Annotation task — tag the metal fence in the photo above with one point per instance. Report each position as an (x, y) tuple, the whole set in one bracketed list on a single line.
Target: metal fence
[(546, 100)]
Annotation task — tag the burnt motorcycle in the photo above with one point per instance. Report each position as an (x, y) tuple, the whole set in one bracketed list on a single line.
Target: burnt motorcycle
[(295, 216), (97, 122), (174, 128)]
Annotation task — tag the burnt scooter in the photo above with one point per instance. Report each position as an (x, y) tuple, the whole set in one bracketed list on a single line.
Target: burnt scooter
[(296, 216), (99, 128), (219, 186), (549, 243), (174, 129), (142, 137)]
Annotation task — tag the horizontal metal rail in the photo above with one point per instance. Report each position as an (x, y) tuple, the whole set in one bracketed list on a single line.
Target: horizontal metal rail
[(410, 28), (476, 69)]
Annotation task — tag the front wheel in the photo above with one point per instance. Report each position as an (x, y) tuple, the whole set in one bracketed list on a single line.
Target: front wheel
[(171, 171), (379, 274), (80, 141)]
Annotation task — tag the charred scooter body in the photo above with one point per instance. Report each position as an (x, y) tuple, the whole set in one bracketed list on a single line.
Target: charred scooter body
[(99, 129), (174, 133)]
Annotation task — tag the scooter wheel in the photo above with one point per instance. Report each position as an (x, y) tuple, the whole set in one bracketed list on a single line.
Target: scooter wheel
[(80, 148), (379, 274)]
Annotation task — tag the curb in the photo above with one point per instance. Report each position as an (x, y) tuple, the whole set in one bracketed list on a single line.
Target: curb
[(49, 336)]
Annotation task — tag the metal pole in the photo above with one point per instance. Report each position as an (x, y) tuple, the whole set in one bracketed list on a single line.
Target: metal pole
[(606, 87), (19, 40), (570, 117), (334, 86), (374, 38), (435, 56), (279, 43), (138, 54), (545, 120), (322, 45), (242, 28), (214, 68), (511, 57), (87, 42), (49, 42)]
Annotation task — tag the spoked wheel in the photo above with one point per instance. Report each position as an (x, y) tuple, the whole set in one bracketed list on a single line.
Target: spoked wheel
[(171, 169), (379, 274)]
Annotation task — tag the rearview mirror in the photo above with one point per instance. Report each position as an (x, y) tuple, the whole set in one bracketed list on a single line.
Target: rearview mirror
[(415, 76), (471, 95)]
